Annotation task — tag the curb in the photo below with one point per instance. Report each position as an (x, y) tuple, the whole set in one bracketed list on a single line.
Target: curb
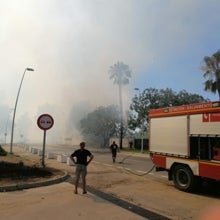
[(34, 185)]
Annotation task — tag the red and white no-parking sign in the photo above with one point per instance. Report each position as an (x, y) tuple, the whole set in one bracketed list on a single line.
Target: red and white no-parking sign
[(45, 122)]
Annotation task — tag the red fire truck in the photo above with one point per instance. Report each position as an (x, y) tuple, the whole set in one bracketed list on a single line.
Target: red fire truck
[(185, 141)]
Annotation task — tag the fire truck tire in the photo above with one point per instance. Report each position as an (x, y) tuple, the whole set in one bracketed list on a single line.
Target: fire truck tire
[(184, 179)]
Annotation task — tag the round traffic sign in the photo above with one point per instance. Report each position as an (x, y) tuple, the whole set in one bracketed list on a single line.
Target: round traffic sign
[(45, 122)]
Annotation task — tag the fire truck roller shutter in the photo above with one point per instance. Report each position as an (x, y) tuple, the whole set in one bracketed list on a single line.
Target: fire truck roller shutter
[(171, 138)]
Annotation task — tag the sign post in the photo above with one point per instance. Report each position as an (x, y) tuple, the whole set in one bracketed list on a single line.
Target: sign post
[(44, 122)]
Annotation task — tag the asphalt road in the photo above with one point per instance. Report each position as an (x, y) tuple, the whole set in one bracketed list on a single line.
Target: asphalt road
[(137, 165)]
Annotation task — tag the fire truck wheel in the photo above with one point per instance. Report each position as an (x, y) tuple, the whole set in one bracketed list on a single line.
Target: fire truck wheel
[(184, 179)]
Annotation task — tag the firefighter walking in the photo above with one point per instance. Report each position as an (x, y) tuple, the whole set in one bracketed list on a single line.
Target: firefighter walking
[(114, 149)]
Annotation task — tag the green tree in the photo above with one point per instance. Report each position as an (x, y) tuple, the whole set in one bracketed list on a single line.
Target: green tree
[(100, 125), (120, 74), (152, 98), (183, 97), (212, 73)]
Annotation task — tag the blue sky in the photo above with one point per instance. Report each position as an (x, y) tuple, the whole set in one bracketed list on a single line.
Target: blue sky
[(71, 44), (179, 53)]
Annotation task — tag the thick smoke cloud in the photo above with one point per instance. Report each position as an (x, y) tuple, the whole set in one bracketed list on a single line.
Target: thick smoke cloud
[(71, 44)]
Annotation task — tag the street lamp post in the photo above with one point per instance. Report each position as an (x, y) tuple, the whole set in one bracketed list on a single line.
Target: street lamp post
[(16, 102), (142, 137), (142, 126), (6, 126)]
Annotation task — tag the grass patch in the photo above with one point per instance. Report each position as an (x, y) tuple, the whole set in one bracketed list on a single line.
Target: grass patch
[(19, 170), (2, 151), (15, 167)]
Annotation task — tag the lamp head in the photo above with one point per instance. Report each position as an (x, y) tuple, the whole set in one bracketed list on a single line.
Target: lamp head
[(29, 69)]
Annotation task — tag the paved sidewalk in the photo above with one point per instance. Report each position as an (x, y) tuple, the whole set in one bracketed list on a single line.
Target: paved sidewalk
[(59, 202)]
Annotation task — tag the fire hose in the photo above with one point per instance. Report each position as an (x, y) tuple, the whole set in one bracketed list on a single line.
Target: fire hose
[(130, 171)]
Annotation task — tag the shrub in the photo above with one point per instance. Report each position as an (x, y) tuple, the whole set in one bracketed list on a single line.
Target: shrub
[(2, 151)]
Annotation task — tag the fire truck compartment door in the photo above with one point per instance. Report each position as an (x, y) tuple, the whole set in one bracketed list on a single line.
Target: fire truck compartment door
[(169, 135)]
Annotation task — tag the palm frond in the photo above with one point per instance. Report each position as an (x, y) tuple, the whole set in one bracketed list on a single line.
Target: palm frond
[(120, 73), (210, 85)]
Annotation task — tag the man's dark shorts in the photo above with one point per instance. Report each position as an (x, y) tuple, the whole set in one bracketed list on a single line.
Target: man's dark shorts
[(81, 170)]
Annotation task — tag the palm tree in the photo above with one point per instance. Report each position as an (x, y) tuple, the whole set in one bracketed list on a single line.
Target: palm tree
[(120, 73), (212, 72)]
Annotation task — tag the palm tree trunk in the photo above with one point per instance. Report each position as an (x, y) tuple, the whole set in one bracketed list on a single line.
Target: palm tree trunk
[(121, 116), (218, 83)]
